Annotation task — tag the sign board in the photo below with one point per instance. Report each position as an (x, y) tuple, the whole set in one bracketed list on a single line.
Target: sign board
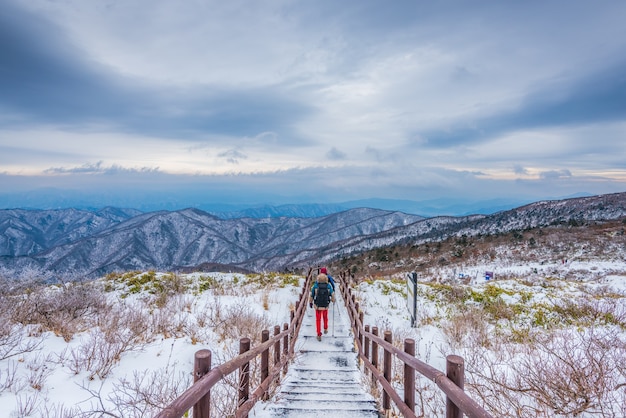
[(411, 298)]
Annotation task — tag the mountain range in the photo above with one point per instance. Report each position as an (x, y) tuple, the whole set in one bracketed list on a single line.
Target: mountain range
[(51, 198), (92, 243)]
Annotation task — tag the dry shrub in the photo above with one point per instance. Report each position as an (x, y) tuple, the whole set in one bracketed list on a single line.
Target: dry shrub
[(579, 370), (467, 327), (166, 287), (134, 320), (175, 283), (97, 355), (130, 320), (170, 321), (597, 311), (38, 371), (15, 341), (8, 376), (119, 331), (265, 297), (428, 402), (27, 404), (60, 411), (240, 320), (65, 310), (147, 393), (203, 315), (498, 310), (569, 374), (161, 322)]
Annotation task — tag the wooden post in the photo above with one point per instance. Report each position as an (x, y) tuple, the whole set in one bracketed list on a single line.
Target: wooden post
[(387, 370), (409, 375), (292, 333), (455, 370), (265, 360), (201, 366), (244, 373), (374, 353), (361, 329), (366, 343), (285, 346), (277, 351)]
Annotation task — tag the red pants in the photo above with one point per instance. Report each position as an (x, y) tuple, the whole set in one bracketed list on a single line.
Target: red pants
[(319, 314)]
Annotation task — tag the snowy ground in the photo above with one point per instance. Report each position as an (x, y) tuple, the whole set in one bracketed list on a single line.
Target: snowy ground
[(72, 378), (45, 374), (592, 336)]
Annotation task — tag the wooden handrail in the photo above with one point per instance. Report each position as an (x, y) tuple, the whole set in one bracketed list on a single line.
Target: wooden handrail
[(460, 402), (202, 387)]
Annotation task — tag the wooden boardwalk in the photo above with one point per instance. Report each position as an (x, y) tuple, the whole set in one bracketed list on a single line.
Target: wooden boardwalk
[(324, 380)]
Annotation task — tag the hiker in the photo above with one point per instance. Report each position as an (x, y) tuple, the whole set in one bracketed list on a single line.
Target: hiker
[(321, 296), (331, 280)]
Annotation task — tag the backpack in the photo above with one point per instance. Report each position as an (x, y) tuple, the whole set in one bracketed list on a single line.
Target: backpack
[(322, 296)]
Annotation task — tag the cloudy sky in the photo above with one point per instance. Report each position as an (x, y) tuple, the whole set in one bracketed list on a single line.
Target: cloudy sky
[(287, 101)]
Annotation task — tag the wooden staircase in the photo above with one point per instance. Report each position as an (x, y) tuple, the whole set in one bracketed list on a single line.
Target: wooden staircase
[(324, 380)]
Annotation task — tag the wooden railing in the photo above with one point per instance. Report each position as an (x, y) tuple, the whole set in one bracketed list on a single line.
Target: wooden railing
[(368, 342), (282, 343)]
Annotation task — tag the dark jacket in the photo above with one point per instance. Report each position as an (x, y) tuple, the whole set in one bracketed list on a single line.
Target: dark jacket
[(322, 278)]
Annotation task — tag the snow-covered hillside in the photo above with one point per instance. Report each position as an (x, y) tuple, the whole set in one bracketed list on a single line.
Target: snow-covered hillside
[(77, 243), (125, 344), (534, 344)]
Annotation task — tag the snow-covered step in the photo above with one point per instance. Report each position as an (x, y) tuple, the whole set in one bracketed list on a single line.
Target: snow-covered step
[(326, 360), (324, 379), (304, 390), (323, 413), (340, 397), (338, 343)]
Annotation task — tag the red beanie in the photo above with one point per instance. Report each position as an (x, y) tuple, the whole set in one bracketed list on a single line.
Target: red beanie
[(323, 270)]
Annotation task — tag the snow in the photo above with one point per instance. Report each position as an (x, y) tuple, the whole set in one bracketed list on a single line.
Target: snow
[(47, 381), (324, 380)]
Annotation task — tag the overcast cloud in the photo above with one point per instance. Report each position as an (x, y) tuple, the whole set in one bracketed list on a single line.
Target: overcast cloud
[(295, 101)]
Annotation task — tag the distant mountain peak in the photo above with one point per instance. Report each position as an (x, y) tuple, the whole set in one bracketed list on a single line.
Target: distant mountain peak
[(72, 241)]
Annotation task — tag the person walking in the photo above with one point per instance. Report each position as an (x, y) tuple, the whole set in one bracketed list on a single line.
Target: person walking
[(321, 297), (331, 280)]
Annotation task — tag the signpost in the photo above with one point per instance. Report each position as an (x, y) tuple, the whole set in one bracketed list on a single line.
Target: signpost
[(411, 292)]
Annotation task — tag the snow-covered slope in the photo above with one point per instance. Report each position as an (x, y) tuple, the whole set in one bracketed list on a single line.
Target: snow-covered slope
[(127, 349), (187, 239)]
